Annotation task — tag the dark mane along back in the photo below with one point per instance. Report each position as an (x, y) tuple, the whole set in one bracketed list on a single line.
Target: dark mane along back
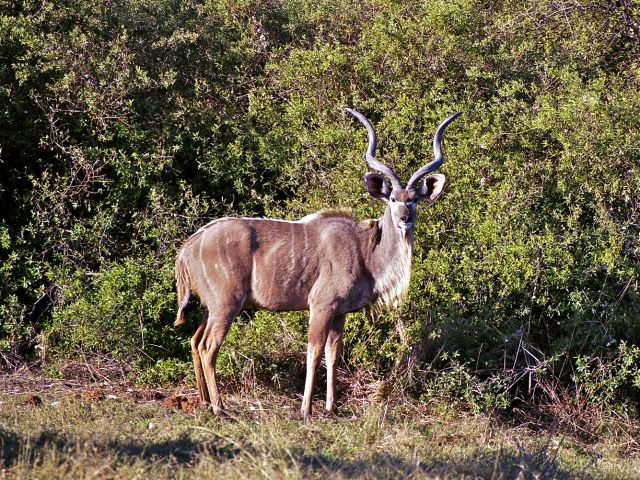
[(336, 212)]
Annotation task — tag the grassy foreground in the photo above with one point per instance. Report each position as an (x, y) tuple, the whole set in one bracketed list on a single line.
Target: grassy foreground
[(58, 429)]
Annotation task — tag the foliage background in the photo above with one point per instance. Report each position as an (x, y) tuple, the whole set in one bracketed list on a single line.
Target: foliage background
[(125, 125)]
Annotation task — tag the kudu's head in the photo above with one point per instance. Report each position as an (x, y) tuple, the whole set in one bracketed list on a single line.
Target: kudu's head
[(402, 200)]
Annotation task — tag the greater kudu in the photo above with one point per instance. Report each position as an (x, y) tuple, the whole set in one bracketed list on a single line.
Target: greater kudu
[(327, 263)]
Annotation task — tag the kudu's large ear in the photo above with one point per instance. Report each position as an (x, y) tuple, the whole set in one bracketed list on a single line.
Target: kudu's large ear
[(431, 187), (377, 185)]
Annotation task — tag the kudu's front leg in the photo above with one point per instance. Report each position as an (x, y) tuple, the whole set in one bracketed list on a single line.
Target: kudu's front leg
[(319, 323), (332, 350)]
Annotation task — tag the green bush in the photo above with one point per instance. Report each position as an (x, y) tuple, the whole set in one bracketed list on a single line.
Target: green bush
[(119, 310), (610, 383)]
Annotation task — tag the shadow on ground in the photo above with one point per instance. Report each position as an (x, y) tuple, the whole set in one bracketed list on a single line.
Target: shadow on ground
[(181, 450), (184, 451), (483, 465)]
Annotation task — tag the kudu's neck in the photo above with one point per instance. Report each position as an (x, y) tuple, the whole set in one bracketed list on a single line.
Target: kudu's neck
[(391, 237), (390, 261)]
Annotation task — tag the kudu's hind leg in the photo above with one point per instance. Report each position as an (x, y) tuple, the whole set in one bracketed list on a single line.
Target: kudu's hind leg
[(203, 393), (319, 322), (332, 350), (217, 327)]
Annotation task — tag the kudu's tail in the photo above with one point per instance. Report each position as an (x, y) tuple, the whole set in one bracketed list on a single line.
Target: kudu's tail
[(183, 284)]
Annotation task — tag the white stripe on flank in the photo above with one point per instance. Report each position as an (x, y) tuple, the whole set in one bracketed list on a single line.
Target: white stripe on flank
[(204, 267), (273, 272), (254, 269), (220, 265), (305, 258), (292, 252), (292, 257), (228, 254)]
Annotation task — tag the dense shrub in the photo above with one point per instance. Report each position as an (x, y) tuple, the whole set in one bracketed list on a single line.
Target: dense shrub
[(126, 125)]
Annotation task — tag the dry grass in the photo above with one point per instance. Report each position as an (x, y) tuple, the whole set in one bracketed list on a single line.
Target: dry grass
[(68, 429)]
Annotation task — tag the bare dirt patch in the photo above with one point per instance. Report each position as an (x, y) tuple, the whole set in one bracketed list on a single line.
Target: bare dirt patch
[(90, 384)]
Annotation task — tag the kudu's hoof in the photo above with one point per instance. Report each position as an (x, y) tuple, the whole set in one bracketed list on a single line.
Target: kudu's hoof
[(218, 411), (332, 413)]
